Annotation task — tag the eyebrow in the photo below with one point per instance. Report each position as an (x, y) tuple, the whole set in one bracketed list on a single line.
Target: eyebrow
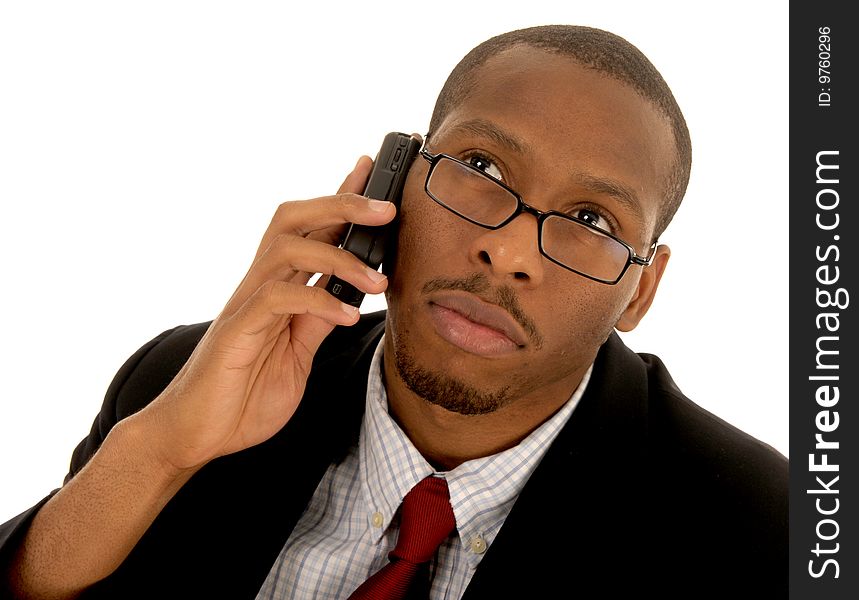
[(610, 187), (486, 129)]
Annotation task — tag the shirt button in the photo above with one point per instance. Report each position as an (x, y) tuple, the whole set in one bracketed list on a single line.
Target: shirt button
[(378, 519), (478, 545)]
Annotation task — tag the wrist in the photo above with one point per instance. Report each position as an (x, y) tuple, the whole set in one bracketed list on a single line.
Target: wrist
[(138, 439)]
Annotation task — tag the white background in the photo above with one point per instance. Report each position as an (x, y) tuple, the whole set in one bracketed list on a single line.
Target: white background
[(145, 145)]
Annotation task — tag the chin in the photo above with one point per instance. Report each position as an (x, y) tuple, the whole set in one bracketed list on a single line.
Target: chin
[(445, 390)]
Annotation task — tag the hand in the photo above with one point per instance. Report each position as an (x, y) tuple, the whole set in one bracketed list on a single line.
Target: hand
[(246, 377)]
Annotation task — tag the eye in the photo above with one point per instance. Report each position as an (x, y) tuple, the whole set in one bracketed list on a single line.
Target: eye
[(592, 217), (485, 165)]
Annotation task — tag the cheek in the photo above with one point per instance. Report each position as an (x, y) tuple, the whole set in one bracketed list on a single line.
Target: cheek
[(430, 238), (426, 249), (576, 318)]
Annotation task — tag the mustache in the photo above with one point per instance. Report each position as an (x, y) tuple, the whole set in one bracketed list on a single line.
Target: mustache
[(503, 296)]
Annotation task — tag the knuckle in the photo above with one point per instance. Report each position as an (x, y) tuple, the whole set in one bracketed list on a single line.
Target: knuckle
[(282, 210), (319, 297), (286, 249), (269, 290), (314, 294), (350, 201), (286, 214), (284, 242), (347, 261)]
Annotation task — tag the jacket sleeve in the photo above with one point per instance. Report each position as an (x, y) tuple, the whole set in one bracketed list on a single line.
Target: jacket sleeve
[(112, 410)]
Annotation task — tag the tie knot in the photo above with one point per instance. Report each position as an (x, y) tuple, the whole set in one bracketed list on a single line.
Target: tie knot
[(426, 519)]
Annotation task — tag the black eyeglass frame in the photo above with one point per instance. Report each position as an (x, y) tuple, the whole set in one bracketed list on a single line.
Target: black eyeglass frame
[(633, 257)]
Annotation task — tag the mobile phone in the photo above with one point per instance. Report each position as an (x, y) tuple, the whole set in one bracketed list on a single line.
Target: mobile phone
[(373, 244)]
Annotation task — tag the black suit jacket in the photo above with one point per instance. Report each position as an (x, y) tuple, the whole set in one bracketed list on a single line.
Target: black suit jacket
[(642, 490)]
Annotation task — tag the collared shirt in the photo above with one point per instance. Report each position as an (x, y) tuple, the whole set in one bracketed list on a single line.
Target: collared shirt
[(351, 523)]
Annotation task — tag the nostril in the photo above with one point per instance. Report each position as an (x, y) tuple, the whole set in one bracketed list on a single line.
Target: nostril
[(520, 275), (484, 257)]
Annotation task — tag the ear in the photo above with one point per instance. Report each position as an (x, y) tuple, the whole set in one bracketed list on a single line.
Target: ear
[(645, 291)]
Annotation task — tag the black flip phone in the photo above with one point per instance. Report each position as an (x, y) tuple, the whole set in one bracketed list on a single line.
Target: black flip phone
[(385, 183)]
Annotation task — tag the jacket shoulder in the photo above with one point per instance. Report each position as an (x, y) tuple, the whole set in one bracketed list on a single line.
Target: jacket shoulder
[(718, 482), (680, 426)]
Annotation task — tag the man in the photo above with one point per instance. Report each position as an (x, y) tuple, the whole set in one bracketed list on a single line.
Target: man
[(267, 454)]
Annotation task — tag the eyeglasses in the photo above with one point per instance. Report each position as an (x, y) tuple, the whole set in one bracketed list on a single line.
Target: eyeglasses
[(568, 241)]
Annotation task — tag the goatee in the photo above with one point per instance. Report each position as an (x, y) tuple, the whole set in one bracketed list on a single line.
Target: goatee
[(445, 391)]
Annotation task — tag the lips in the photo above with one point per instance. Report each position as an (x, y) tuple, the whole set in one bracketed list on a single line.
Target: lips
[(473, 325)]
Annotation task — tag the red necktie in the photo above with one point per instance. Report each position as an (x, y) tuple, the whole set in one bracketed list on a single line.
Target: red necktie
[(426, 519)]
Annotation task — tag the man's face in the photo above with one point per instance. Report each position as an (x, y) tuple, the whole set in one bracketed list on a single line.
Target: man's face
[(479, 319)]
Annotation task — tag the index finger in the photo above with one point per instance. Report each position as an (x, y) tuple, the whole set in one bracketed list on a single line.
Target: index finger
[(301, 217)]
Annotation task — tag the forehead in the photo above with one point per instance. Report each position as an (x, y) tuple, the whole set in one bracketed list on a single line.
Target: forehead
[(568, 122)]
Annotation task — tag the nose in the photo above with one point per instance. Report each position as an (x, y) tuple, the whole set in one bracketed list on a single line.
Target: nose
[(510, 253)]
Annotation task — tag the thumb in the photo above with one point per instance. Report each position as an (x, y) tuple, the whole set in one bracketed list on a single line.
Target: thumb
[(356, 181)]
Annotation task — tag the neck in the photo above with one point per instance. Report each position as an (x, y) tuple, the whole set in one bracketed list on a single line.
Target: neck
[(447, 439)]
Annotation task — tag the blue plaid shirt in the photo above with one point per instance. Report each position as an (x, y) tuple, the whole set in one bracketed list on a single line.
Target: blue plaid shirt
[(351, 523)]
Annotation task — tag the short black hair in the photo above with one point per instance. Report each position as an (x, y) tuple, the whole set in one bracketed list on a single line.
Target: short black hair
[(596, 49)]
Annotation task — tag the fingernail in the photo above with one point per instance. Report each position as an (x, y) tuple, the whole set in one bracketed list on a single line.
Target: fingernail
[(379, 205), (360, 158), (349, 309), (375, 275)]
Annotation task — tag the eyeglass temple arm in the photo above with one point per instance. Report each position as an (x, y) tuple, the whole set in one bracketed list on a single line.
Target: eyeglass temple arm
[(645, 260)]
